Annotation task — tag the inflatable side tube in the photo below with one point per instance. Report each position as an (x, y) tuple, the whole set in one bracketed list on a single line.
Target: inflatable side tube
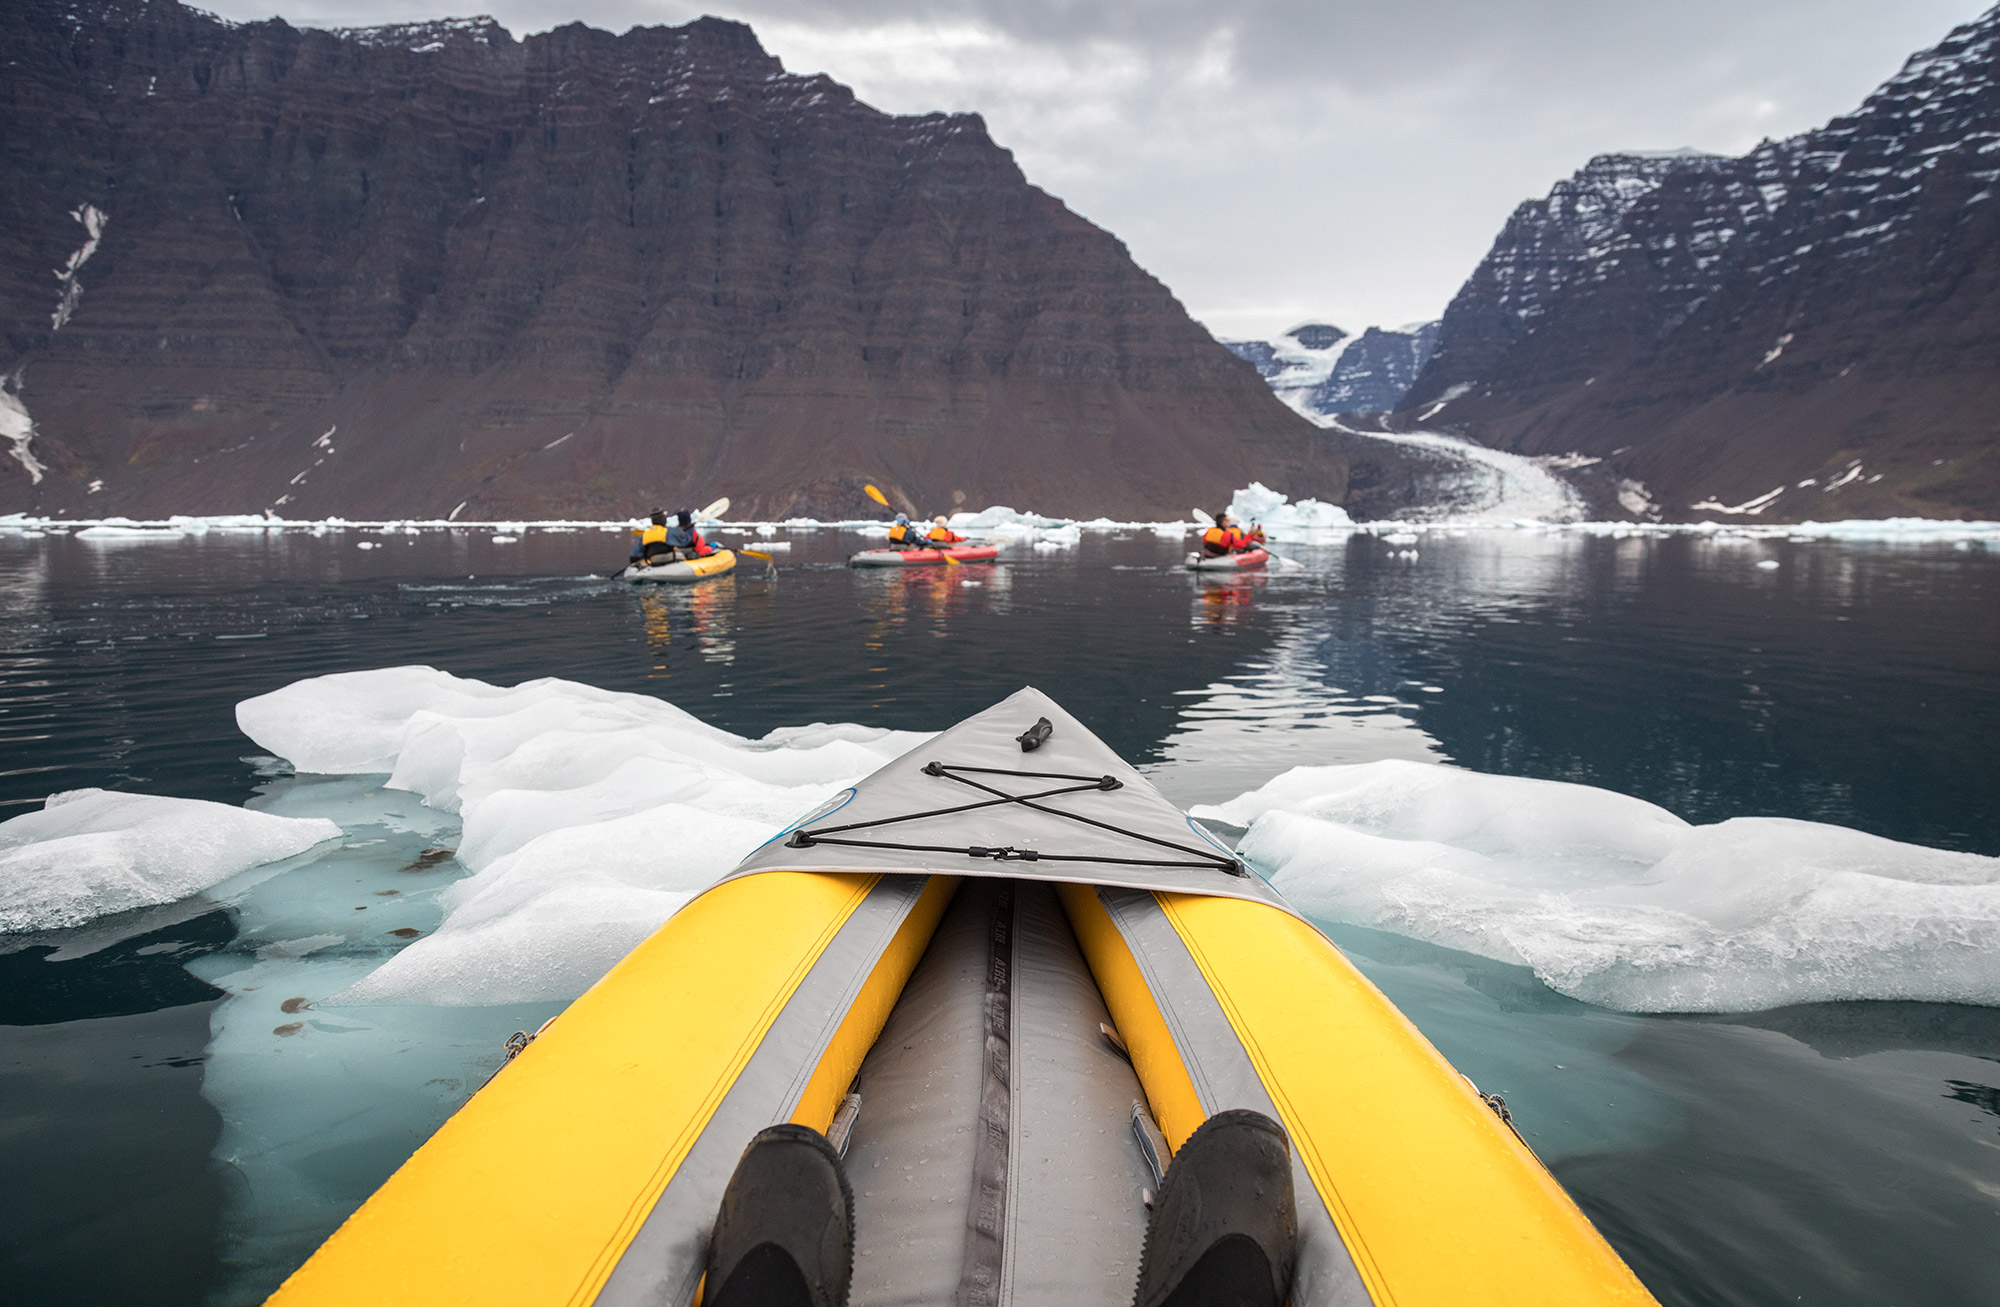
[(923, 557), (1227, 562), (1411, 1191), (587, 1168), (684, 571)]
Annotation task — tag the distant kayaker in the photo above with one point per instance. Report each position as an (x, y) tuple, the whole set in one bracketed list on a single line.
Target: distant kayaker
[(906, 534), (942, 534), (684, 537), (680, 540), (652, 539), (1225, 537)]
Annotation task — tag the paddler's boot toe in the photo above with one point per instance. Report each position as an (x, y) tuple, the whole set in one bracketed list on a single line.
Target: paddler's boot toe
[(784, 1236), (1225, 1228)]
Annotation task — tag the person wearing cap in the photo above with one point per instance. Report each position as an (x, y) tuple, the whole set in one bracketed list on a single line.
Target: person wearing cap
[(685, 538), (903, 533), (942, 534)]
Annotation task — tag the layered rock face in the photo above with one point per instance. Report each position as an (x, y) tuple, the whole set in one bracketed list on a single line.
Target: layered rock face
[(1809, 331), (1321, 370), (412, 270)]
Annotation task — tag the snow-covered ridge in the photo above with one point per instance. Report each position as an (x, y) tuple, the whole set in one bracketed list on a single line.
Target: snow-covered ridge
[(1319, 369), (426, 37)]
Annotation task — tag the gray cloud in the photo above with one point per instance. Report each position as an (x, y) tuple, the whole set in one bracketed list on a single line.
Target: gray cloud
[(1273, 160)]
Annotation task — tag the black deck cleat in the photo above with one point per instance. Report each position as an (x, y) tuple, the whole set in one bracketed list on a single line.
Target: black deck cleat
[(1225, 1228), (785, 1234)]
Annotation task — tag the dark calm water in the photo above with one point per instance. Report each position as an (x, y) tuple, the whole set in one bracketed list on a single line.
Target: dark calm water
[(1841, 1153)]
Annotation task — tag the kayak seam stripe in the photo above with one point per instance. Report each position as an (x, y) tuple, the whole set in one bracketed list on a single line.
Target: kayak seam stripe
[(642, 1203)]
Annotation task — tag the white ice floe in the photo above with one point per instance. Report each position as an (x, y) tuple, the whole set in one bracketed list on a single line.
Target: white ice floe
[(1523, 499), (588, 815), (1005, 525), (1283, 520), (92, 852), (545, 921), (119, 533), (1620, 903)]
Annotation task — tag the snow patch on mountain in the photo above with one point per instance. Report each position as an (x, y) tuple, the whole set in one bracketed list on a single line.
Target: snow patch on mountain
[(93, 220)]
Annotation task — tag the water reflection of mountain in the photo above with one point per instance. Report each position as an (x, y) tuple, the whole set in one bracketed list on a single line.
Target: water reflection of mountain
[(1278, 711)]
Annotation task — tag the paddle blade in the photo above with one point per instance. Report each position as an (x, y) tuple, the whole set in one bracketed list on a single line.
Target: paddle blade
[(1203, 518), (757, 553), (713, 511), (950, 561), (875, 495)]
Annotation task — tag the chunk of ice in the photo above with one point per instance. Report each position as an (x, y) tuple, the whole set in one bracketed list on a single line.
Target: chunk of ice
[(92, 852), (545, 921), (590, 816), (1284, 520), (1620, 903)]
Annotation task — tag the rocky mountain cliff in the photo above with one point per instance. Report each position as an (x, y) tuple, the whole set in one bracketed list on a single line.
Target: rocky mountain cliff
[(1809, 331), (429, 268), (1321, 370)]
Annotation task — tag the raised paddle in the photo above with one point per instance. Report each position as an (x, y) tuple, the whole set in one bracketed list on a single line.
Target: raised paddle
[(875, 495), (713, 512)]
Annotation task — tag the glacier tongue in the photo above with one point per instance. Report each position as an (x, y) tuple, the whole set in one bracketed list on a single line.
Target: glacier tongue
[(88, 853), (1620, 903)]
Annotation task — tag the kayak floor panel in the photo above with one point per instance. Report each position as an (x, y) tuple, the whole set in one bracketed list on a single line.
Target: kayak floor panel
[(1074, 1221)]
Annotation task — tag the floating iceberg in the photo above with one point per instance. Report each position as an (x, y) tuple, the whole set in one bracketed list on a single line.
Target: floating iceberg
[(545, 921), (1620, 903), (1284, 520), (589, 816), (92, 852)]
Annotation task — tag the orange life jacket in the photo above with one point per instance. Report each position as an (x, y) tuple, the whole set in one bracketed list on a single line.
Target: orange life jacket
[(944, 535), (1217, 540), (900, 534)]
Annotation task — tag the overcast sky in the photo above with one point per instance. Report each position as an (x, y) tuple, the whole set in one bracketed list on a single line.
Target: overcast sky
[(1275, 161)]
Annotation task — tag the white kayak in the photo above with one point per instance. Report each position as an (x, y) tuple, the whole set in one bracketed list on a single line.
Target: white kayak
[(1227, 562)]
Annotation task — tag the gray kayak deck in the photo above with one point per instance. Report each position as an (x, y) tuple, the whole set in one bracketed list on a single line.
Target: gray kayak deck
[(1045, 1209), (944, 807)]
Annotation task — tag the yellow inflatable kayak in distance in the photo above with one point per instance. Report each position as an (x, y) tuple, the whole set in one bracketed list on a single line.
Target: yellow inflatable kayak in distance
[(1007, 978), (683, 571)]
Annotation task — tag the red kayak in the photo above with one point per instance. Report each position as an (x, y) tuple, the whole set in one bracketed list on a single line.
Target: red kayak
[(919, 557), (1228, 562)]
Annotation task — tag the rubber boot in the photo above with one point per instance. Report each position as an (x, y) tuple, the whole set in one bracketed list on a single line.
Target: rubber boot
[(785, 1234), (1225, 1228)]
